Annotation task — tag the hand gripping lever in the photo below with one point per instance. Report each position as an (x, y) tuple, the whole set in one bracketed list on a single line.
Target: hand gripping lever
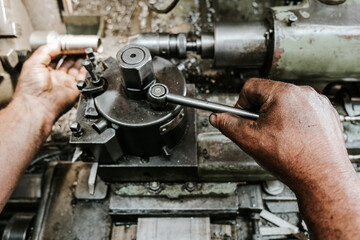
[(159, 96)]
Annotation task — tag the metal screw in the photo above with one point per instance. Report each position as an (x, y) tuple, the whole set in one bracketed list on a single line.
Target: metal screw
[(292, 18), (76, 129), (89, 67), (90, 54)]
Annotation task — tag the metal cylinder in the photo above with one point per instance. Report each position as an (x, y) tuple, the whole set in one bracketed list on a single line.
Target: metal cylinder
[(242, 45), (141, 131), (206, 45), (137, 70), (70, 44), (162, 44), (316, 47)]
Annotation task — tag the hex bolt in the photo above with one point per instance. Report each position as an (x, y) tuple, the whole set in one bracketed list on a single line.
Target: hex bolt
[(154, 186), (157, 96), (76, 129), (158, 91), (81, 85), (89, 67), (90, 54), (137, 70)]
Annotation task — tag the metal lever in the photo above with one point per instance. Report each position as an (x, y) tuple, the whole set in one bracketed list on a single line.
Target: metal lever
[(159, 96)]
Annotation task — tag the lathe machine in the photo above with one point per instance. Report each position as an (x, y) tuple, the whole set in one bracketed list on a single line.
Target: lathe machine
[(136, 158)]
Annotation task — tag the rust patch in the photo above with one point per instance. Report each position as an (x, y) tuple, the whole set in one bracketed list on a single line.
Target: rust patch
[(349, 37), (277, 56)]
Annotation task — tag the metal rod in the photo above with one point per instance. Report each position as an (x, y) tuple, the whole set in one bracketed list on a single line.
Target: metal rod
[(209, 106)]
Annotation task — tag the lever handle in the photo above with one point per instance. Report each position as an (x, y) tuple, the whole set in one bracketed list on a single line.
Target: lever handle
[(159, 96)]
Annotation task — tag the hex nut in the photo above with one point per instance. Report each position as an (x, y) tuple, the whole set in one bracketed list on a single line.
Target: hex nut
[(136, 67)]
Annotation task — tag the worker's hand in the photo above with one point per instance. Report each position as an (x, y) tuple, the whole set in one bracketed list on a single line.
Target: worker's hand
[(45, 89), (298, 136)]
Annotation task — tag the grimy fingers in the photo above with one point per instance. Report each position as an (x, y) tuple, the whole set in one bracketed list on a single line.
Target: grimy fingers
[(243, 132), (255, 93)]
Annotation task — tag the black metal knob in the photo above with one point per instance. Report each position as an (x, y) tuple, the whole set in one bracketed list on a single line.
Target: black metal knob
[(90, 68), (76, 129)]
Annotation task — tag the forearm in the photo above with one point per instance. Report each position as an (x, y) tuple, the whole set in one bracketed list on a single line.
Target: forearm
[(23, 129), (329, 202)]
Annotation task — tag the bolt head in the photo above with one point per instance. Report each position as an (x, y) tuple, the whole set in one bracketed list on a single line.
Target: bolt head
[(136, 67), (157, 96), (293, 18), (10, 58), (89, 51), (154, 186), (158, 90), (75, 128)]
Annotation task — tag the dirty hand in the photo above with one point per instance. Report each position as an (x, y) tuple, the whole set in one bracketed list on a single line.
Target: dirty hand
[(298, 136), (45, 89)]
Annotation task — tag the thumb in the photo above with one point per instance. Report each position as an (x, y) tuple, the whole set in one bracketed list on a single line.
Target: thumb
[(242, 131)]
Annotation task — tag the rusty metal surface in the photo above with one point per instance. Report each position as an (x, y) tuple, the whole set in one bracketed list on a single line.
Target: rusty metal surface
[(64, 217), (174, 190), (319, 32)]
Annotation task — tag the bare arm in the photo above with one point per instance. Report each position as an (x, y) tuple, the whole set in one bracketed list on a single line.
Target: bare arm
[(41, 95), (298, 138)]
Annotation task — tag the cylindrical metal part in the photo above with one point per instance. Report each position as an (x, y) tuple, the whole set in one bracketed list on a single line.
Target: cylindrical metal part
[(162, 44), (137, 70), (140, 130), (241, 45), (316, 47), (70, 44), (206, 45), (209, 106)]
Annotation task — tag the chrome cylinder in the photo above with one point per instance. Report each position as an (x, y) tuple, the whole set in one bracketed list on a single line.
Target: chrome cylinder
[(70, 44)]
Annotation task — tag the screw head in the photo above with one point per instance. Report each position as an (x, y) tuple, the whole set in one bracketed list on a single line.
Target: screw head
[(292, 18), (154, 186), (75, 128), (89, 52)]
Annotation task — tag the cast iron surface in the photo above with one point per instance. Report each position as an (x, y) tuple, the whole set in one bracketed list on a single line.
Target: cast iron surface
[(119, 109), (62, 216), (180, 166)]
